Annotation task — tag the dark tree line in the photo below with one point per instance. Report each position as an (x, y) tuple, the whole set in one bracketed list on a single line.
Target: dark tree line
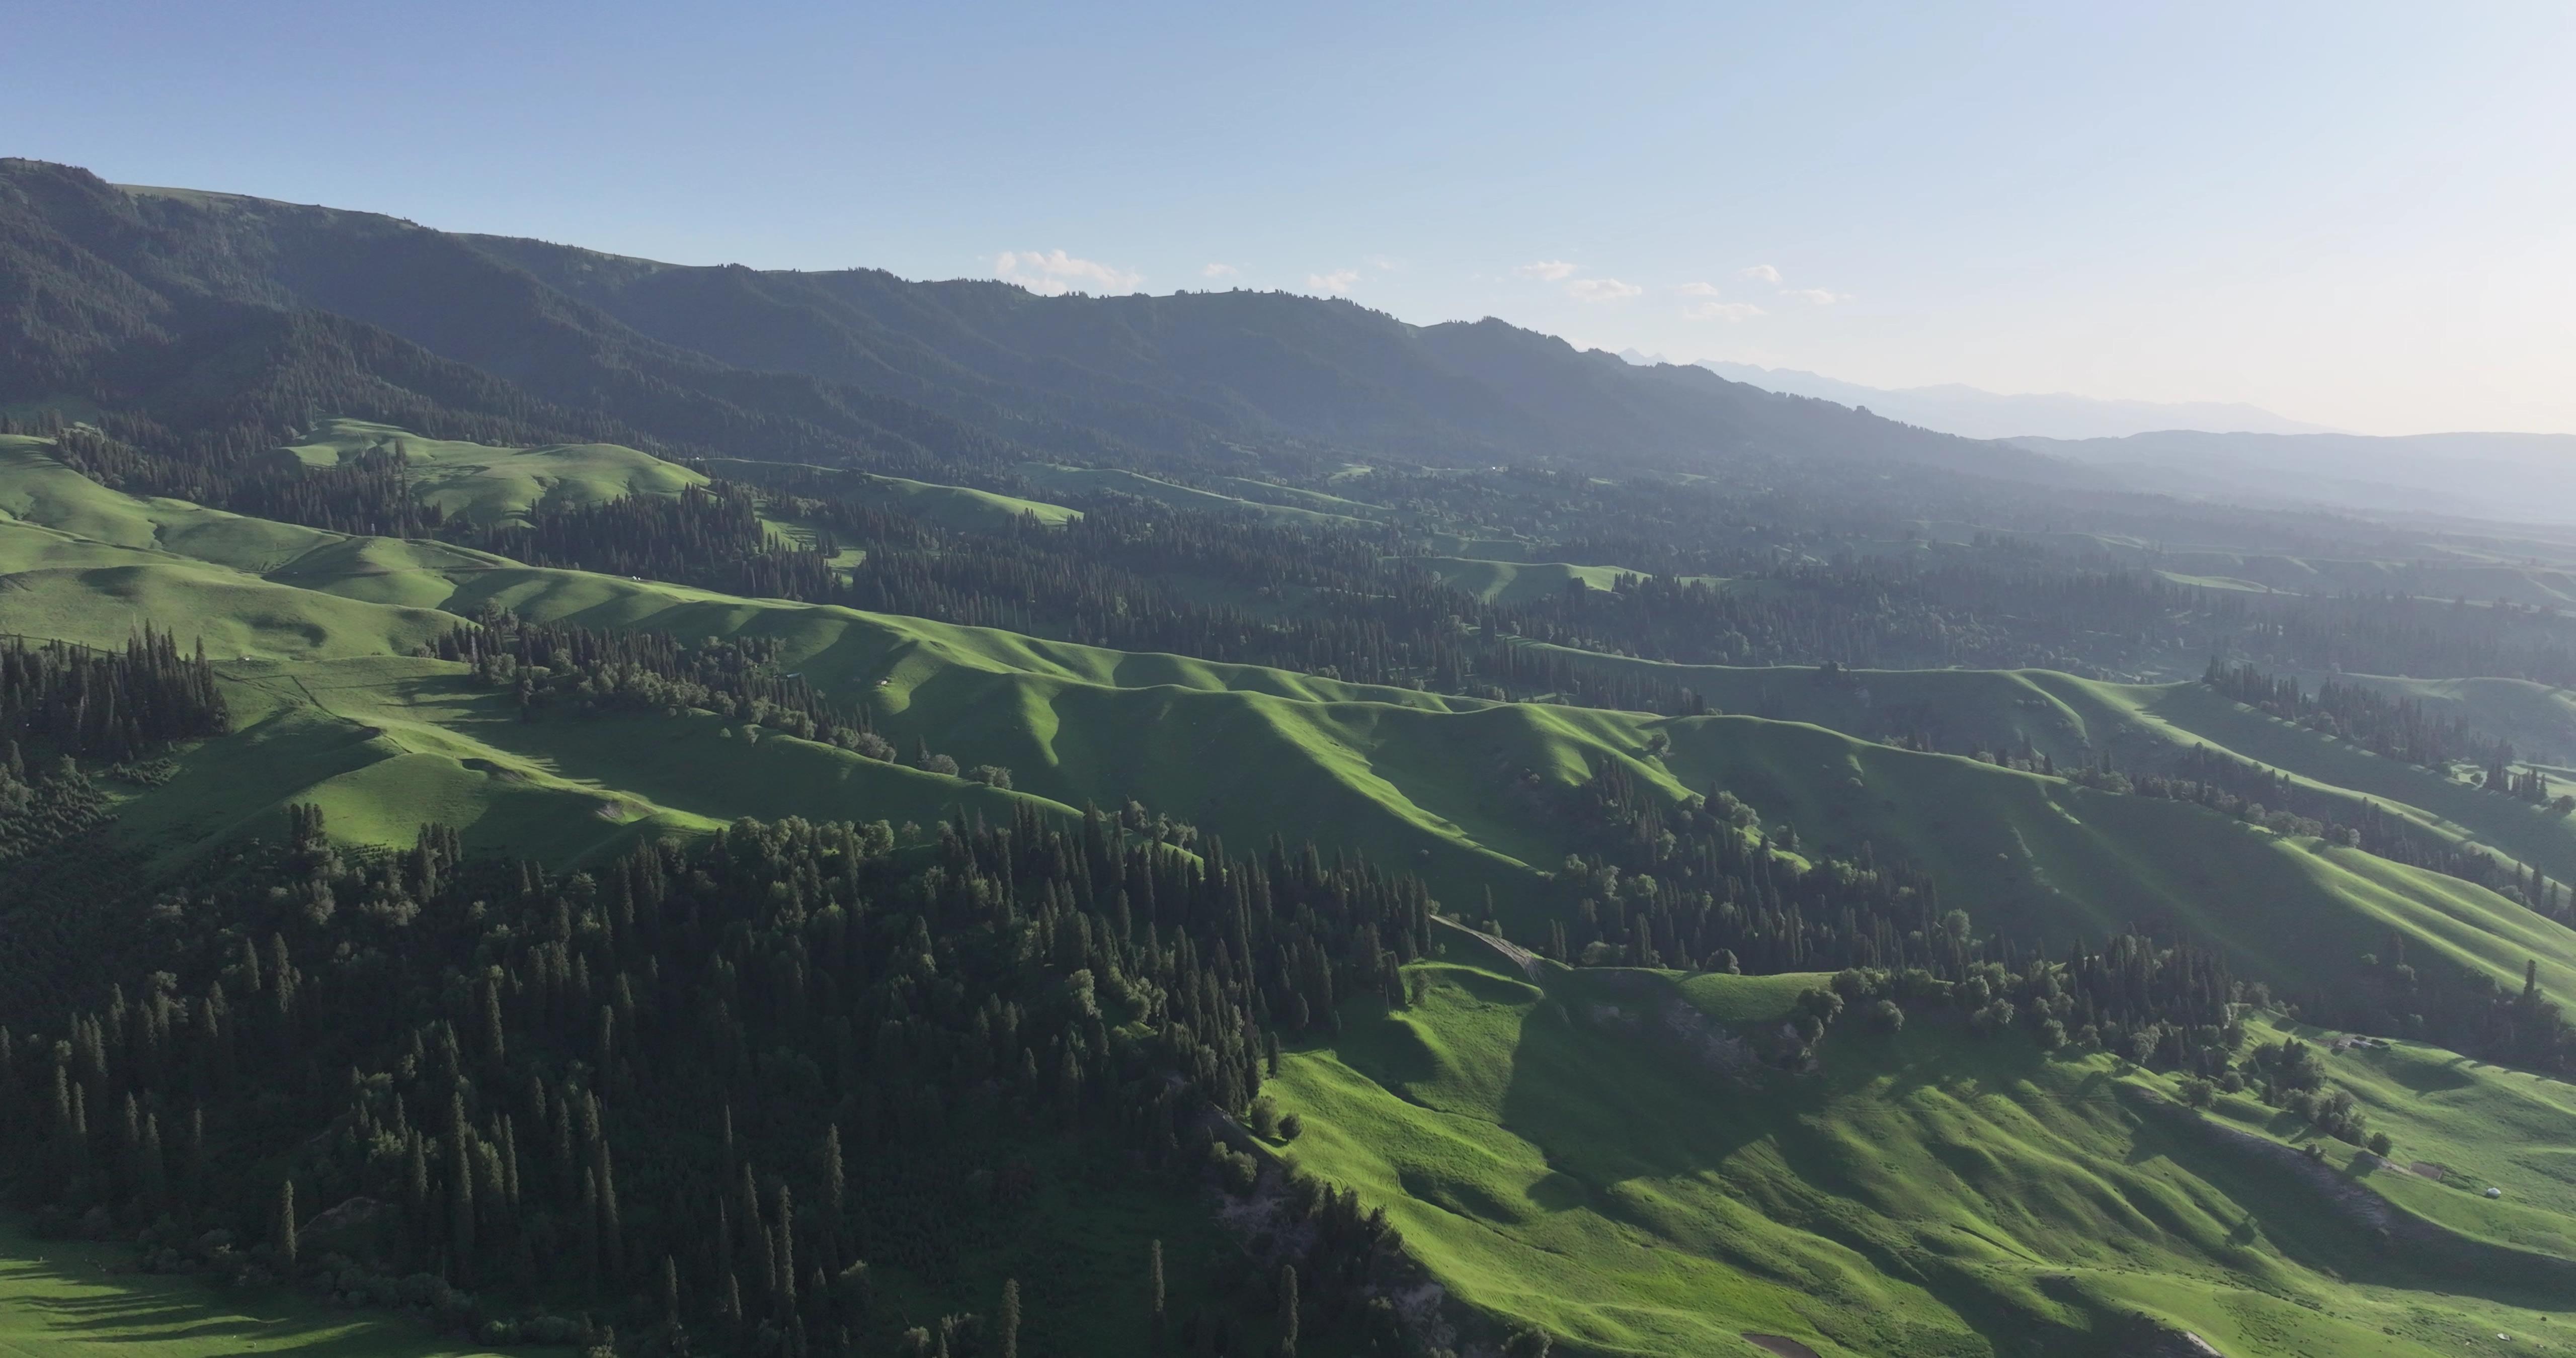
[(2394, 727), (732, 1090), (2409, 635), (113, 705)]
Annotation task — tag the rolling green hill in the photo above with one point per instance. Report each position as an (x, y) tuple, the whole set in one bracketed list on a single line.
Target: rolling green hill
[(951, 506), (2138, 726), (487, 485), (1099, 480), (1567, 1154), (1407, 777)]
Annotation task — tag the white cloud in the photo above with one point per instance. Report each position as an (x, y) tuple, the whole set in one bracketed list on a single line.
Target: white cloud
[(1050, 273), (1819, 296), (1696, 290), (1600, 290), (1383, 264), (1219, 271), (1764, 272), (1337, 282), (1722, 311), (1546, 270)]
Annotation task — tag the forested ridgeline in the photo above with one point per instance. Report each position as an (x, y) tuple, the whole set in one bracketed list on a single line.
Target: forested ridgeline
[(788, 1089), (172, 315)]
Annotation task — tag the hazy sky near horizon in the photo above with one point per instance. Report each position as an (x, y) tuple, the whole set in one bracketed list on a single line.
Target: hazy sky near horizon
[(2357, 214)]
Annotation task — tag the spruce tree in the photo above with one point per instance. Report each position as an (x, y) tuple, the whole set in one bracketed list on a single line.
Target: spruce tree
[(460, 1192), (1287, 1311), (1008, 1337), (282, 1231), (1154, 1301), (835, 1183)]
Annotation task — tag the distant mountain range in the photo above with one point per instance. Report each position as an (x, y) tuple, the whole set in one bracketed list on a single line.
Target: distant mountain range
[(2236, 453), (195, 311), (2516, 478), (1974, 413)]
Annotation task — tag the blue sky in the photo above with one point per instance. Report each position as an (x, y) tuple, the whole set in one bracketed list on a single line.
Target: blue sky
[(2362, 215)]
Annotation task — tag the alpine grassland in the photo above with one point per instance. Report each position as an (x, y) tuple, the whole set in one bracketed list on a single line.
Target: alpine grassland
[(1460, 790), (1600, 1153)]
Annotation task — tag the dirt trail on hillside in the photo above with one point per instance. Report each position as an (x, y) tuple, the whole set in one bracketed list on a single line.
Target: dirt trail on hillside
[(1527, 961)]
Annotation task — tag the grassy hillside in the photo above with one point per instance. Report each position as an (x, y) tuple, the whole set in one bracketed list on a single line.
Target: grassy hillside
[(487, 485), (2538, 719), (1558, 1157), (1512, 582), (36, 489), (951, 506), (2079, 721), (1433, 783), (1097, 480), (59, 1298)]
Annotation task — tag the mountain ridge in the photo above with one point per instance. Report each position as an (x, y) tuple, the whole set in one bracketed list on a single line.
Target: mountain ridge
[(854, 366)]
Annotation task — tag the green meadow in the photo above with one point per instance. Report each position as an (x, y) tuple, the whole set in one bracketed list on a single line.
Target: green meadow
[(64, 1298), (1561, 1157)]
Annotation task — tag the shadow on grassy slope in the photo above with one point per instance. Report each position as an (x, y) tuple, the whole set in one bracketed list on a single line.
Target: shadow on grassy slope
[(1557, 1157), (58, 1298)]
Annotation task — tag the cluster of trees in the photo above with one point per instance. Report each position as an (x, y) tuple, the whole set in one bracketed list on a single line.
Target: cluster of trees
[(2407, 634), (2463, 1010), (585, 671), (588, 671), (59, 698), (706, 535), (2395, 727), (2289, 1074), (1702, 887), (41, 810), (741, 1088), (2172, 1007)]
